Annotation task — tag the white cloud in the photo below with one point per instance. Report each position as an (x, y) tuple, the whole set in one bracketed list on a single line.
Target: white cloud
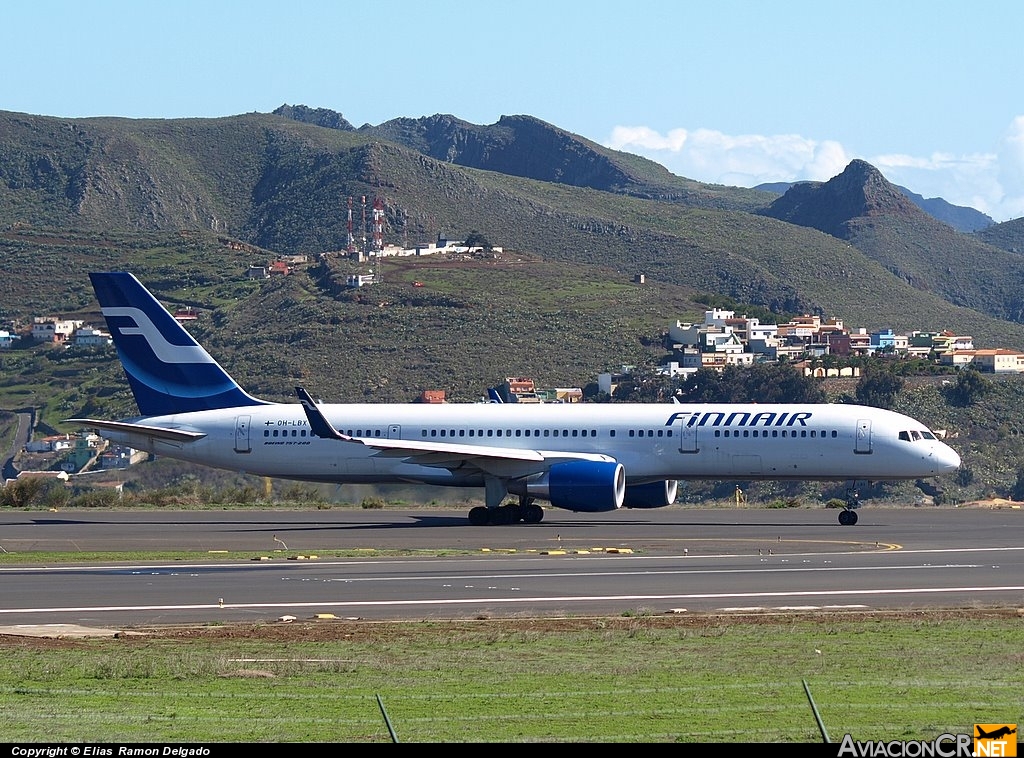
[(740, 160), (647, 139), (990, 182)]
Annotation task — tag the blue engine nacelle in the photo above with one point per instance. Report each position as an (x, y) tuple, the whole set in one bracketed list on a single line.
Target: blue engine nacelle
[(652, 495), (589, 486)]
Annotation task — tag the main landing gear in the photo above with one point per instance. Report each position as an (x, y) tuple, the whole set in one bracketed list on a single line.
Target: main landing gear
[(526, 510)]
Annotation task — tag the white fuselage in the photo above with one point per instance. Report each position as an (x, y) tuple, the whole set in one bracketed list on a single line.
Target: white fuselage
[(651, 441)]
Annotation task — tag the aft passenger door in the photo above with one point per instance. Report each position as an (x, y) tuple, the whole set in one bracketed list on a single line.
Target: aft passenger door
[(242, 434)]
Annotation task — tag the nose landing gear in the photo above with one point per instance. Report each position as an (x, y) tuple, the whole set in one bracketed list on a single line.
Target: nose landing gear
[(848, 516)]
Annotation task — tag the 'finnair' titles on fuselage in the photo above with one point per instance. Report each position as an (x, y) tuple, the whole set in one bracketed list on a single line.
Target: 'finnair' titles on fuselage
[(732, 417)]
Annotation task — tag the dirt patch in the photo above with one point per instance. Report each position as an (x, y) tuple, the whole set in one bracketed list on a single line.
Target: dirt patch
[(391, 631), (995, 503)]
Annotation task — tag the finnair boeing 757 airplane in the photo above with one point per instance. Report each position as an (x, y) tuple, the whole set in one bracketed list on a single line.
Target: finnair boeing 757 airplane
[(581, 457)]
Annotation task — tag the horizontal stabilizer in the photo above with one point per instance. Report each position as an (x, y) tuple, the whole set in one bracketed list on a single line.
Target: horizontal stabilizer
[(158, 432)]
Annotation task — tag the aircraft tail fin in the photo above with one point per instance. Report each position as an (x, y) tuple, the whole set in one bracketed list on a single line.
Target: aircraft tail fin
[(169, 372), (493, 395)]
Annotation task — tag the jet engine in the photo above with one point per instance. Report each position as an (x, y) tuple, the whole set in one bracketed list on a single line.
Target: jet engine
[(652, 495), (588, 486)]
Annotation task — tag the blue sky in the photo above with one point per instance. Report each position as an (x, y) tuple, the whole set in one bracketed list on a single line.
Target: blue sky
[(728, 92)]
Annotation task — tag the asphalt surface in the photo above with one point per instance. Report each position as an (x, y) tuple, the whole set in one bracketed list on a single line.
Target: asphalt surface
[(261, 566), (21, 438)]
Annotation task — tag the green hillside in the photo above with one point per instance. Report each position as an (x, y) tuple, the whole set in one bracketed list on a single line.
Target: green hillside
[(188, 205)]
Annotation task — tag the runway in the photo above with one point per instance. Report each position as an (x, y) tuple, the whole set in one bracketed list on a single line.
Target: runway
[(672, 560)]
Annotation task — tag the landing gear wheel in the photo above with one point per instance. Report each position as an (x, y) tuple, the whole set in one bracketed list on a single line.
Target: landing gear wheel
[(847, 517), (533, 513), (504, 515), (529, 511)]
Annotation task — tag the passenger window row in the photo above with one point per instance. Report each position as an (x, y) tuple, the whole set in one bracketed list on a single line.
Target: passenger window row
[(776, 433), (907, 436), (285, 433), (508, 433)]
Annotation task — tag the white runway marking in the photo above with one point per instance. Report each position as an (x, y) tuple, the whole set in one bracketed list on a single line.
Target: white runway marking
[(523, 600)]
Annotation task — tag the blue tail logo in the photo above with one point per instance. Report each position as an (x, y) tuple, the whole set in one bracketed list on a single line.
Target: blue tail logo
[(169, 372)]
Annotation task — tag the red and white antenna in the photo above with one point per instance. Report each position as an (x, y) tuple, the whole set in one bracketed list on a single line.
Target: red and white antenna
[(364, 223), (378, 224)]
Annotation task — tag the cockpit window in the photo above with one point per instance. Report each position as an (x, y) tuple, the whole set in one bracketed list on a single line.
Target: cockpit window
[(929, 435), (905, 436)]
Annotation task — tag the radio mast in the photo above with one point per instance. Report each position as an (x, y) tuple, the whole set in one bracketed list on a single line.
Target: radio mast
[(351, 247)]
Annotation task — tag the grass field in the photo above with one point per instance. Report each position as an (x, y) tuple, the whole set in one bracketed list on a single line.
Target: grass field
[(622, 680)]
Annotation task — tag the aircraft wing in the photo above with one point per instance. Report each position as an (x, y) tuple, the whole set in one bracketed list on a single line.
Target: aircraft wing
[(126, 427), (487, 458)]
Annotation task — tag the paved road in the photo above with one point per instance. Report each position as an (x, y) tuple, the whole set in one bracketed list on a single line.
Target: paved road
[(668, 560), (21, 438)]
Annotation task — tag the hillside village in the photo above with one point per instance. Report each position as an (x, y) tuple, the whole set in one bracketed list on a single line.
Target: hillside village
[(724, 338)]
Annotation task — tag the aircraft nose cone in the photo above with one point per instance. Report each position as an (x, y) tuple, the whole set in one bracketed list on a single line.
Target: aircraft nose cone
[(947, 460)]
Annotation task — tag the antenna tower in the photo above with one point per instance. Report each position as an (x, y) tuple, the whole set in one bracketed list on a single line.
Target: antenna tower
[(351, 247), (378, 236), (378, 224), (364, 223)]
